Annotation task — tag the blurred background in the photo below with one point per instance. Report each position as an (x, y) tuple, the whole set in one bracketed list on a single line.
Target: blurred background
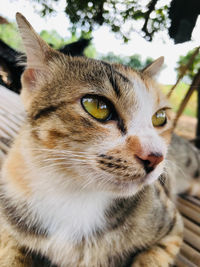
[(126, 31)]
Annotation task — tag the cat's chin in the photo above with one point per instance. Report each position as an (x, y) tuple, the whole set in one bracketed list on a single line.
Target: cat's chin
[(132, 187), (124, 189)]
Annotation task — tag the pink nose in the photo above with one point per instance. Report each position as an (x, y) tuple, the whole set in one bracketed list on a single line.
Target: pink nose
[(150, 161)]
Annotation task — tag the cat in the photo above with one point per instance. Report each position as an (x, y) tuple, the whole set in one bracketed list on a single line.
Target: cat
[(84, 182)]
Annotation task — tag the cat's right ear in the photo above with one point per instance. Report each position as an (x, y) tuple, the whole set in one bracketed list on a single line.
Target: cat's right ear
[(35, 47), (37, 52)]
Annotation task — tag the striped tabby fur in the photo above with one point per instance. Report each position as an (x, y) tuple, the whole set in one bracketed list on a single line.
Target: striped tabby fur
[(77, 192)]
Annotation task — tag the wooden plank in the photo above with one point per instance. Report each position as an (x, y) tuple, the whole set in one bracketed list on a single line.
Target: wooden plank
[(192, 239), (189, 212), (3, 147), (191, 226), (7, 130), (3, 134), (11, 117), (8, 123), (4, 144), (181, 261), (190, 251), (19, 116), (11, 98), (189, 204), (10, 103), (192, 199), (191, 254)]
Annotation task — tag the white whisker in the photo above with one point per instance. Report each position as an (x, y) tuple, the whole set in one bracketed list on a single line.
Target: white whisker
[(66, 159), (59, 151)]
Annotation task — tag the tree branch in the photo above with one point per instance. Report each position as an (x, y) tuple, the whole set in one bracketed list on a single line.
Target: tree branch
[(151, 8)]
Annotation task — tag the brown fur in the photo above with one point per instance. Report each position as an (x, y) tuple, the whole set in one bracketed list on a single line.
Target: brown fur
[(16, 172), (133, 144)]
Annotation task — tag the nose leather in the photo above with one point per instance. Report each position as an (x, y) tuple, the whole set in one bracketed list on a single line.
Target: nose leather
[(150, 161)]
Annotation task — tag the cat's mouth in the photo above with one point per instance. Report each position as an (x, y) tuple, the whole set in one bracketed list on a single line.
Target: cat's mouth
[(126, 173), (121, 169), (130, 187), (128, 183), (140, 180)]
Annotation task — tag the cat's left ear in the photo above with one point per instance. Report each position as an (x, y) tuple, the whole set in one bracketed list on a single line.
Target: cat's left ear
[(154, 68)]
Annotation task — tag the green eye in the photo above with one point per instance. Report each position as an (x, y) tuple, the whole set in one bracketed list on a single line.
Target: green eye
[(97, 107), (159, 118)]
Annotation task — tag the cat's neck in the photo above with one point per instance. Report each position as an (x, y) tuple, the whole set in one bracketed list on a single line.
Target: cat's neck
[(67, 214), (73, 216)]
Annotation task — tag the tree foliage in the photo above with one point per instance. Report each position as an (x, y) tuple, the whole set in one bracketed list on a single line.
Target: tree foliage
[(53, 38), (133, 61), (87, 14), (193, 68), (177, 16), (9, 34)]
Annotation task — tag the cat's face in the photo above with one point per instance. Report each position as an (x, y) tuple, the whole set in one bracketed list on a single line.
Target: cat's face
[(106, 126)]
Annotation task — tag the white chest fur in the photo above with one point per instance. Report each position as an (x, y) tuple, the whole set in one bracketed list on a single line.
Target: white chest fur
[(73, 216)]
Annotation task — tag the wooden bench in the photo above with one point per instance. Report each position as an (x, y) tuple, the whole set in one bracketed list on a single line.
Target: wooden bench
[(11, 118)]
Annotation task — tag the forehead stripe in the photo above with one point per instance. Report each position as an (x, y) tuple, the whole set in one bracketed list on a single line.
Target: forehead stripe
[(113, 82), (112, 79), (125, 79)]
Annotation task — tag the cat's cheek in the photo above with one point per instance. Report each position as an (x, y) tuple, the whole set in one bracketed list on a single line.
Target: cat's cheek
[(166, 135)]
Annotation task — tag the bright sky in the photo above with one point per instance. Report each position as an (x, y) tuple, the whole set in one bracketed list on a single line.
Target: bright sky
[(105, 41)]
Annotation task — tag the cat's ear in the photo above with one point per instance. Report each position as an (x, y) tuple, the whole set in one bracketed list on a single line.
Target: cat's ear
[(37, 52), (36, 49), (154, 68)]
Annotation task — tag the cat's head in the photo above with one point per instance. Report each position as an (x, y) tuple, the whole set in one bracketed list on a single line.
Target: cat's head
[(101, 126)]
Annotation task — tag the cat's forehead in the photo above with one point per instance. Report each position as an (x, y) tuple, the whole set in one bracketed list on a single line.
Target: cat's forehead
[(99, 74), (72, 78), (116, 81)]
